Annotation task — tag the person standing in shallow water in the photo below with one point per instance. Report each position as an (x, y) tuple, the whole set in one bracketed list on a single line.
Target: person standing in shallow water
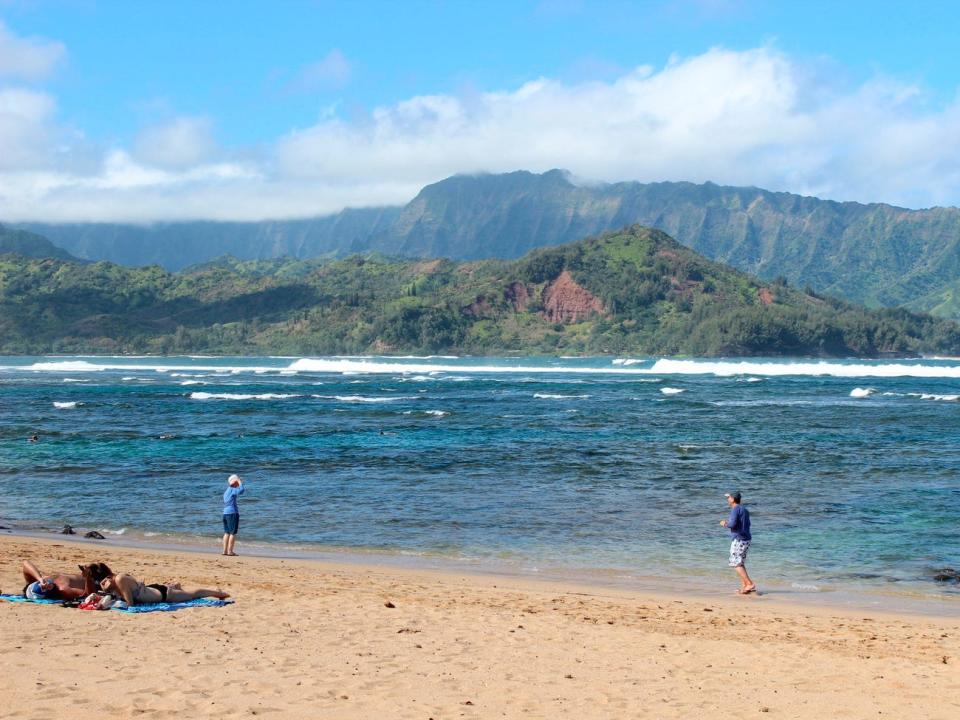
[(231, 513), (738, 523)]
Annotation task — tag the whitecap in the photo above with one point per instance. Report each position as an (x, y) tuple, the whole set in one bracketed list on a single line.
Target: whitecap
[(192, 382), (241, 396), (437, 413), (65, 405), (74, 380), (366, 399), (726, 368), (552, 396), (861, 392), (671, 390), (931, 396)]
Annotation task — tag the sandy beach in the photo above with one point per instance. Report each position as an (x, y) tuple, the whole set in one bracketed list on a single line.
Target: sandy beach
[(316, 639)]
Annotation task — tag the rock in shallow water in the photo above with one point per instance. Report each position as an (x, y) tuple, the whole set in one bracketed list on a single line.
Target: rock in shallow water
[(947, 575)]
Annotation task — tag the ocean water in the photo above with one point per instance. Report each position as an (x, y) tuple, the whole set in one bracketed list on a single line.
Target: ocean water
[(616, 466)]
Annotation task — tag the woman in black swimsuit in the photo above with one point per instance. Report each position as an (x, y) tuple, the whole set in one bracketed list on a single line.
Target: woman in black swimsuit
[(135, 592)]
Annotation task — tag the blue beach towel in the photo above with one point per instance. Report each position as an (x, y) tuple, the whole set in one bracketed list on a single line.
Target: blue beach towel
[(170, 607), (150, 607)]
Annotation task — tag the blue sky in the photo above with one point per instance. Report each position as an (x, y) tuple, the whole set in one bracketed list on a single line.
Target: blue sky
[(145, 111)]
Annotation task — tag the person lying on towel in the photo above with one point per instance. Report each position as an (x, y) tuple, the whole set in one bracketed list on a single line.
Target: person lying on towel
[(61, 586)]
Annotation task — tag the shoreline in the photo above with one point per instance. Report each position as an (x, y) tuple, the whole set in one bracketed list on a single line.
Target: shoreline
[(307, 638), (854, 599)]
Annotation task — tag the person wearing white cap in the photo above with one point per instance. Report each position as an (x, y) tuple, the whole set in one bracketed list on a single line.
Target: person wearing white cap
[(231, 513), (738, 523)]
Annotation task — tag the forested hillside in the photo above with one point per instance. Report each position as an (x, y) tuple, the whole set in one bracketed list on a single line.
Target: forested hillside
[(635, 290)]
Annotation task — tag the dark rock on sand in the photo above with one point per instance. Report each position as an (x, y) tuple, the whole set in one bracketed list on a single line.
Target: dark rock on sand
[(947, 575), (94, 535), (68, 530)]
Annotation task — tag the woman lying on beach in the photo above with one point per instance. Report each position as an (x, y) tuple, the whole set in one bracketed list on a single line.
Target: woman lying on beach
[(61, 586), (135, 592)]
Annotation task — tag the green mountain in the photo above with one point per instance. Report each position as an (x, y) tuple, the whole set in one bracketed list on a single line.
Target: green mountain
[(28, 244), (635, 290), (873, 254)]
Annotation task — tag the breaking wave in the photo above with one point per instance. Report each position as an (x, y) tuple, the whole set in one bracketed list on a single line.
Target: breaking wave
[(366, 399), (552, 396), (619, 366), (65, 405), (241, 396)]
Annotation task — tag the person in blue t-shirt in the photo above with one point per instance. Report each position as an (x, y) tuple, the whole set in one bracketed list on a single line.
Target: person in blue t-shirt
[(738, 523), (231, 513)]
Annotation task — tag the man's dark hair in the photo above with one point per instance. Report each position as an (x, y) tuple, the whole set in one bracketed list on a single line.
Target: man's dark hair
[(96, 571)]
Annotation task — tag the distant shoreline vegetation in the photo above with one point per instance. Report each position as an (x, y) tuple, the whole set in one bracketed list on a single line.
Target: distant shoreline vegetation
[(634, 291)]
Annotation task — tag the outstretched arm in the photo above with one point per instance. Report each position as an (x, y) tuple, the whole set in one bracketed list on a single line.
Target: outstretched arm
[(31, 573)]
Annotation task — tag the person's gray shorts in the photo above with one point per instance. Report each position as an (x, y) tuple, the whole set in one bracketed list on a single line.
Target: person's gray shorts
[(738, 552)]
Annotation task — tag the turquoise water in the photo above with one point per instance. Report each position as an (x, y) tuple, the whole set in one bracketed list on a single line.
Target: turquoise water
[(850, 469)]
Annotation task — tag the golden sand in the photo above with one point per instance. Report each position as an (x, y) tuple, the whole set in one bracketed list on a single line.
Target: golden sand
[(309, 639)]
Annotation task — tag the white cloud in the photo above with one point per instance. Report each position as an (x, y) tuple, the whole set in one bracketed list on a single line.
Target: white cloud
[(28, 58), (26, 134), (180, 143), (756, 117), (331, 72)]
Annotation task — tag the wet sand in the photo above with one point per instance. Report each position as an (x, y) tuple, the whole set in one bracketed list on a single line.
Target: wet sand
[(309, 638)]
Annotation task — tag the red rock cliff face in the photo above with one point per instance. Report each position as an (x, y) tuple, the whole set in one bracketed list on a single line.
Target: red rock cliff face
[(567, 302)]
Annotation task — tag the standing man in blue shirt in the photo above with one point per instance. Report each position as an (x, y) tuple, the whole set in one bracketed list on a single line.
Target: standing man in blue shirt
[(231, 513), (738, 523)]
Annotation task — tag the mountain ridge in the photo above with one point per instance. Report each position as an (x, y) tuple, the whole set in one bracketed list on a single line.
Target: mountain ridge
[(875, 254)]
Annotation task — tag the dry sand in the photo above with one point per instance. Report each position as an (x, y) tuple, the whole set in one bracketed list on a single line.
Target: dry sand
[(307, 639)]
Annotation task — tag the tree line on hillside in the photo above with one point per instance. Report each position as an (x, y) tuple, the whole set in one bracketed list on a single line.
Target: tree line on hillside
[(655, 297)]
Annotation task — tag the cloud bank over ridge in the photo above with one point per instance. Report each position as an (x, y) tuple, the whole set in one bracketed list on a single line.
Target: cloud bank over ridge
[(754, 117)]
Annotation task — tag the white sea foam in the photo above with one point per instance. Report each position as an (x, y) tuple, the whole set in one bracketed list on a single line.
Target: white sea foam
[(365, 398), (241, 396), (65, 405), (437, 413), (805, 587), (671, 390), (192, 382), (552, 396), (74, 380), (725, 368), (128, 377), (931, 396), (862, 392), (626, 362), (121, 531), (722, 368)]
